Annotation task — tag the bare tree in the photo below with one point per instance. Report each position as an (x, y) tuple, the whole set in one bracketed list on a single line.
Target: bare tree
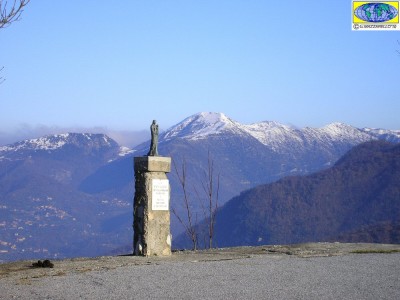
[(11, 13), (207, 199), (211, 189), (189, 225)]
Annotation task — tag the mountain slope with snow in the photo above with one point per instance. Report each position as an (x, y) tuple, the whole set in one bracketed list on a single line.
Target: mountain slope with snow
[(202, 125), (276, 136), (60, 143), (246, 155)]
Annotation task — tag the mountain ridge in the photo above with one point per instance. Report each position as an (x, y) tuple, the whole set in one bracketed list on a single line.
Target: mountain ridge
[(356, 200), (201, 125)]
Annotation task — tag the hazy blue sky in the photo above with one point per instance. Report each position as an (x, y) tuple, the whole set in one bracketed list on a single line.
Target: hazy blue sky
[(121, 64)]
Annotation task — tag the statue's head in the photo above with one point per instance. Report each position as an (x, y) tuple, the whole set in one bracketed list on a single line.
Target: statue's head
[(154, 121)]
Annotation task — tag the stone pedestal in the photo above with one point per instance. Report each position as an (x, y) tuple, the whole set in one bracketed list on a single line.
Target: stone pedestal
[(151, 214)]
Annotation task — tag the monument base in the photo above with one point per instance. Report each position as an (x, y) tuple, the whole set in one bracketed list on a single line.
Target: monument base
[(151, 212)]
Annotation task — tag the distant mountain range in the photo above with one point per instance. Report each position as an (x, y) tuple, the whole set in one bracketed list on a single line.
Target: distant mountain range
[(356, 200), (42, 211), (71, 194), (248, 155)]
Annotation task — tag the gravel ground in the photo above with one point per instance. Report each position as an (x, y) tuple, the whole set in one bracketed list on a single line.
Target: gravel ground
[(312, 271)]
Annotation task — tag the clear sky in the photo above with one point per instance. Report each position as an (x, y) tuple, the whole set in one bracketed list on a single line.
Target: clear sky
[(121, 64)]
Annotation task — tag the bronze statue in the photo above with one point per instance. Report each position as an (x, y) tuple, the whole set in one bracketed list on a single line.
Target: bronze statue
[(154, 139)]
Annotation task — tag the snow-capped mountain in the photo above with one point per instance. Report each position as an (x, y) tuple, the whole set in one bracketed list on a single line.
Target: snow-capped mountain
[(86, 142), (276, 136), (52, 142), (202, 125), (251, 154), (281, 138), (379, 133)]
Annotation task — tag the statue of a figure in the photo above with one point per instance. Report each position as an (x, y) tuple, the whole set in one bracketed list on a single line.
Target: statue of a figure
[(154, 139)]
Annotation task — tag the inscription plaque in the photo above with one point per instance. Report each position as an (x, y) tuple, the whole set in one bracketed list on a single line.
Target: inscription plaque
[(160, 194)]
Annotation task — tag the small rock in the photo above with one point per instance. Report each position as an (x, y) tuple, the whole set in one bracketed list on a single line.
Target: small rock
[(43, 264)]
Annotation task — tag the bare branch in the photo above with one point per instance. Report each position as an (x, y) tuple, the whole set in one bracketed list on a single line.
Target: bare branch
[(213, 211), (209, 204), (2, 79), (201, 201), (212, 195), (189, 226), (11, 14)]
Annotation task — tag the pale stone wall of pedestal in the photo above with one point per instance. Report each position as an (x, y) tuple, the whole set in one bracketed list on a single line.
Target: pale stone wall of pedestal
[(151, 222)]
